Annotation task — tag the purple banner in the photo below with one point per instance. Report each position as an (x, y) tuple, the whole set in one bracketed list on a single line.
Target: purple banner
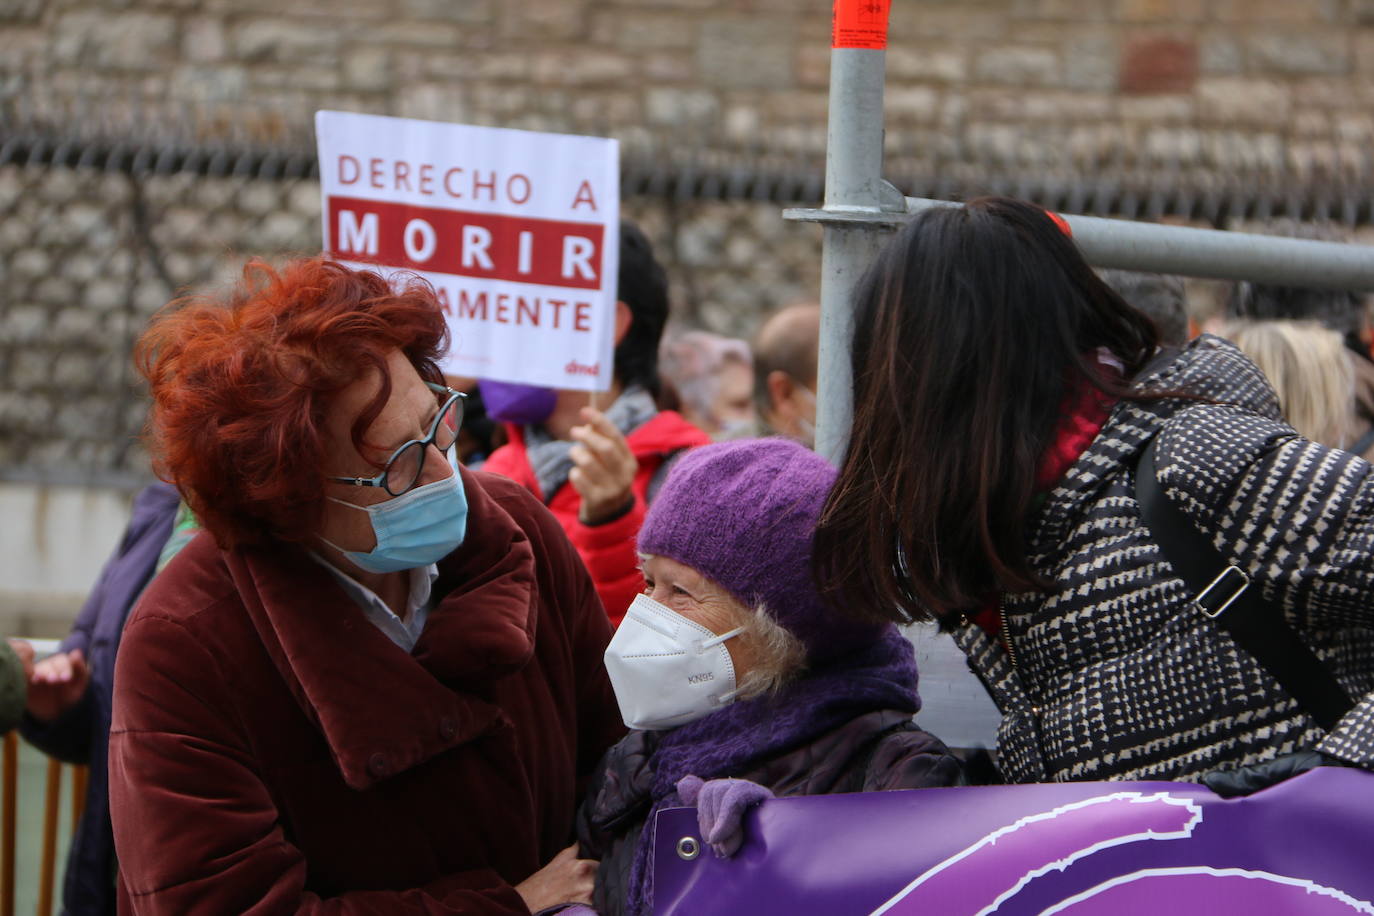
[(1305, 846)]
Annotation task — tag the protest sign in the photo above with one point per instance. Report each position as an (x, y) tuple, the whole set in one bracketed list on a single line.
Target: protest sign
[(518, 232), (1079, 849)]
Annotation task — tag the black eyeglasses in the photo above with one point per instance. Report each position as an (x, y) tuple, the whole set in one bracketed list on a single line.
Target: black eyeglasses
[(403, 468)]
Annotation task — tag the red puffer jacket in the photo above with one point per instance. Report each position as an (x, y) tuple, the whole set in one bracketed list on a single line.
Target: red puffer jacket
[(609, 549)]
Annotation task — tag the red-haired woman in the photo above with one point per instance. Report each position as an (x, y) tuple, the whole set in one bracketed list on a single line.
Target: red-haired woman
[(371, 684)]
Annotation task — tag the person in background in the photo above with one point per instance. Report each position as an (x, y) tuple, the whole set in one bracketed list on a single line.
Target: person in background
[(1162, 297), (1311, 373), (713, 377), (598, 470), (1342, 311), (730, 667), (369, 683), (786, 350), (67, 713), (1004, 398)]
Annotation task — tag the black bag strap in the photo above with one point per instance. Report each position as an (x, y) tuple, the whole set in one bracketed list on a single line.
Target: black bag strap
[(1224, 593)]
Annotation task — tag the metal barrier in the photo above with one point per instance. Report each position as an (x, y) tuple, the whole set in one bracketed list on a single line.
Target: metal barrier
[(9, 824), (861, 208), (9, 821)]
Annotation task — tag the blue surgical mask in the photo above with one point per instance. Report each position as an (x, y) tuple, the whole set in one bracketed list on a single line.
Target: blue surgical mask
[(415, 529), (730, 430)]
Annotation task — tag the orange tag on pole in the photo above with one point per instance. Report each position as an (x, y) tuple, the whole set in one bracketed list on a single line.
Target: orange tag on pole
[(860, 24)]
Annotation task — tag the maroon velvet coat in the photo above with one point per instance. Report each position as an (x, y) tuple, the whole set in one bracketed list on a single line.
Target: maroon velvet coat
[(273, 752)]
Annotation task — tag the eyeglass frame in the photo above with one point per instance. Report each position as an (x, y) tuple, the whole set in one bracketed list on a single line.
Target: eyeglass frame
[(431, 439)]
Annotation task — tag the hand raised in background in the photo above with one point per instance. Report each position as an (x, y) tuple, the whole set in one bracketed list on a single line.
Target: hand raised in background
[(56, 684), (604, 468)]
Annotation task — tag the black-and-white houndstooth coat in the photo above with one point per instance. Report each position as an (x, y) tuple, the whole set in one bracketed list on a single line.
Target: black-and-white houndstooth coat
[(1114, 674)]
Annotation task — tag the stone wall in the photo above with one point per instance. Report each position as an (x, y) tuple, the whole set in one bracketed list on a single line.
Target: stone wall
[(1229, 82), (1263, 96), (88, 256)]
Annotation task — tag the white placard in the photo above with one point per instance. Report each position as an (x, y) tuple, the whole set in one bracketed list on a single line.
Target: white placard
[(518, 232)]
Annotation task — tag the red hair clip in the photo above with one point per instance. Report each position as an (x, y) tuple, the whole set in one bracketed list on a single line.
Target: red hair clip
[(1060, 222)]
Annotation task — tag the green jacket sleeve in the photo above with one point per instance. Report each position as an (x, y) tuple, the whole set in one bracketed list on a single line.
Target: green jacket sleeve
[(13, 688)]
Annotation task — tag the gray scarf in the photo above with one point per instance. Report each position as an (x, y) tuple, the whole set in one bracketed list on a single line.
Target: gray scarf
[(549, 457)]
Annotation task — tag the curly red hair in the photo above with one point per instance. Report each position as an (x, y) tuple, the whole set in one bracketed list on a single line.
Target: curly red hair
[(241, 387)]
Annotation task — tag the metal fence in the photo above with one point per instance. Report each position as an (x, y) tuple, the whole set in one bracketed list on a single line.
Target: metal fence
[(861, 207), (105, 217), (97, 234)]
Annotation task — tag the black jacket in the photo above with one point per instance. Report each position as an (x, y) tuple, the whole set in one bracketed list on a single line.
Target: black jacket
[(873, 752), (1113, 673)]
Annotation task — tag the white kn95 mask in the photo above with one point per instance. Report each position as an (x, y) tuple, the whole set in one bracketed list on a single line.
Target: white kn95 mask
[(668, 670)]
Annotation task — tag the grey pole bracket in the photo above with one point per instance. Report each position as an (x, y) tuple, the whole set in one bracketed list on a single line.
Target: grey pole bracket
[(1153, 248)]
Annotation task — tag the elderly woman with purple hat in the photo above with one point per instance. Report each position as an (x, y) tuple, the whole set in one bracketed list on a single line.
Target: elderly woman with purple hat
[(730, 667)]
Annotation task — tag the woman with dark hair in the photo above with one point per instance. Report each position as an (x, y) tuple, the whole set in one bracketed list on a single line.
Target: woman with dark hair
[(371, 683), (1003, 398)]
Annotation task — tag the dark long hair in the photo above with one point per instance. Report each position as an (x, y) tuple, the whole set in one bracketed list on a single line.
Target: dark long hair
[(643, 286), (970, 328)]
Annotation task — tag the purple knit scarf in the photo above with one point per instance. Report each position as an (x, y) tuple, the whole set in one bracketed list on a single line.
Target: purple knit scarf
[(730, 741)]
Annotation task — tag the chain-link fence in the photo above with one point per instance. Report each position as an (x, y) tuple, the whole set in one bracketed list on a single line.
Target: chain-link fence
[(101, 227), (97, 234)]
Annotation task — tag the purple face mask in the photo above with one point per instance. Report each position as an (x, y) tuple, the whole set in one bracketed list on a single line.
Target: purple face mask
[(514, 403)]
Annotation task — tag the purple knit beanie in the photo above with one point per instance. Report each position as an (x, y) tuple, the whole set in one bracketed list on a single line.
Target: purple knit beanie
[(742, 514)]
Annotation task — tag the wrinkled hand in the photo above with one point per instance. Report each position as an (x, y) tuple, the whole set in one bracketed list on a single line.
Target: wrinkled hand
[(1249, 779), (566, 879), (721, 805), (604, 468), (56, 684)]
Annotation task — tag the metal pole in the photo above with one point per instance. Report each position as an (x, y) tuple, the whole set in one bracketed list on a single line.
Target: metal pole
[(853, 184), (1153, 248), (854, 135)]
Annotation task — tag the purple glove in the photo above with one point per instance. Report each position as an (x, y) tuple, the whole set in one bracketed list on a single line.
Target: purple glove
[(721, 805)]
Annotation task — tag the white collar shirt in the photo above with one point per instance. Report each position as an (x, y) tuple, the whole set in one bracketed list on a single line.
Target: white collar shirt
[(404, 633)]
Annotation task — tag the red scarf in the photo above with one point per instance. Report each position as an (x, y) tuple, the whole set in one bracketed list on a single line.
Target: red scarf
[(1082, 414)]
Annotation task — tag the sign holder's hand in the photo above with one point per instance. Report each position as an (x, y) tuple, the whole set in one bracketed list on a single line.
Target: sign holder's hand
[(721, 805), (604, 469)]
